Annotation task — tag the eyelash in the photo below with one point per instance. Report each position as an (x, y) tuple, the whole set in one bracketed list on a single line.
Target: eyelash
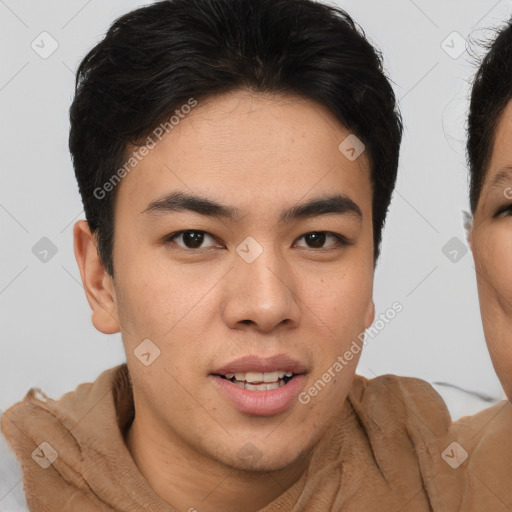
[(504, 209), (341, 241)]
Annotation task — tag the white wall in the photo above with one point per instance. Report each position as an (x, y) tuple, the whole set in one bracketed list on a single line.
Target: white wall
[(47, 338)]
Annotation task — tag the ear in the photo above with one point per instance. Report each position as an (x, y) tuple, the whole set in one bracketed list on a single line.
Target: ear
[(468, 228), (97, 283), (370, 314)]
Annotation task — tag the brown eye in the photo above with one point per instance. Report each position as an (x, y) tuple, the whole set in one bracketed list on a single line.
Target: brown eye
[(316, 239), (191, 239)]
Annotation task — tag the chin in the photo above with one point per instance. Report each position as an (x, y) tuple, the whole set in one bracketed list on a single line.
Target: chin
[(251, 458), (264, 464)]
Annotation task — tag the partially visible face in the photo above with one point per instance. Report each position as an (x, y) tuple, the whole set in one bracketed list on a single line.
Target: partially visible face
[(249, 286), (491, 241)]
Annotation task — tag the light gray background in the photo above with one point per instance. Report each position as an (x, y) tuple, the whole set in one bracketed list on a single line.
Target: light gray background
[(47, 339)]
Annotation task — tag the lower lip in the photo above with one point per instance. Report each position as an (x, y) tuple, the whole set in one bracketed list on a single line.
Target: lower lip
[(261, 403)]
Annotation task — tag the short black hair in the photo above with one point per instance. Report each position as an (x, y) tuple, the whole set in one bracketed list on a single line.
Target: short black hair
[(159, 57), (491, 91)]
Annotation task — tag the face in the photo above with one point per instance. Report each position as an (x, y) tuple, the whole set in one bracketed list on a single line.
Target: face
[(491, 241), (271, 283)]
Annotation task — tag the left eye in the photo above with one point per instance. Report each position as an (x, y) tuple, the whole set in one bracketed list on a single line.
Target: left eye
[(315, 239), (505, 211)]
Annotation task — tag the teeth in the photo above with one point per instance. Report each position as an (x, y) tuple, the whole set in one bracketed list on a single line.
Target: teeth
[(270, 377), (259, 387), (262, 387), (253, 377), (259, 378)]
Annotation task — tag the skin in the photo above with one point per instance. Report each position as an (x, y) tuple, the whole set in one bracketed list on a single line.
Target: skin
[(204, 307), (491, 242)]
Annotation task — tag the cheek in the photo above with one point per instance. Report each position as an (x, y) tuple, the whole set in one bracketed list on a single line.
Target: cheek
[(155, 291), (151, 297), (493, 262), (341, 306), (492, 251), (350, 292)]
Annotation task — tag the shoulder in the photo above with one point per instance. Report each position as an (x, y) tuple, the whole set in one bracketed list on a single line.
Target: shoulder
[(12, 495), (404, 387), (488, 425), (405, 402), (404, 424), (485, 440), (402, 415)]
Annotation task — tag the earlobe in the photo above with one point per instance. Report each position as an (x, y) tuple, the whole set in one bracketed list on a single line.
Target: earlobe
[(370, 315), (468, 228), (97, 283)]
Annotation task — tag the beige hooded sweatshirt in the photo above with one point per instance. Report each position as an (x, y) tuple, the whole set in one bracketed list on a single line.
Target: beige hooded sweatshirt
[(390, 450)]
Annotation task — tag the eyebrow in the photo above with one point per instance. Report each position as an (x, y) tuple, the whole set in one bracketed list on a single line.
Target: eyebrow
[(502, 177), (326, 205)]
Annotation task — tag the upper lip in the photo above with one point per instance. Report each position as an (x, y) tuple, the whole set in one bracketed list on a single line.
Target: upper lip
[(255, 363)]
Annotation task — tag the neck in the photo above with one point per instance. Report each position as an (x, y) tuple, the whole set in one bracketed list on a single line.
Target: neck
[(190, 481)]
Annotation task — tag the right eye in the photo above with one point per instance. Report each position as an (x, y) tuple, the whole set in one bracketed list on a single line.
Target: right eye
[(191, 239)]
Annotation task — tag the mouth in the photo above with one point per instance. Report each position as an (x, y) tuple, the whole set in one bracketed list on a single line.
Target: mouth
[(257, 381), (261, 386)]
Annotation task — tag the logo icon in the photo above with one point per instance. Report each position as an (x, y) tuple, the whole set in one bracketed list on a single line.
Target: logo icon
[(455, 249), (352, 147), (44, 250), (45, 455), (249, 249), (147, 352), (454, 455), (454, 45), (45, 45)]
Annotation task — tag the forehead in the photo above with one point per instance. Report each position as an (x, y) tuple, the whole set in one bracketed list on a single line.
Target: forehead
[(246, 145), (500, 164)]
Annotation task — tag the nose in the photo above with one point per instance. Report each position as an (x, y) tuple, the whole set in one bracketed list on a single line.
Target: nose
[(262, 294)]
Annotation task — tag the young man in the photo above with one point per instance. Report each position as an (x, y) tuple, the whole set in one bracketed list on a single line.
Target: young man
[(236, 159)]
